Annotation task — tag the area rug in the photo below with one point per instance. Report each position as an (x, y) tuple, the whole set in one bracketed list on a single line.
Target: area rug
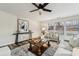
[(23, 51)]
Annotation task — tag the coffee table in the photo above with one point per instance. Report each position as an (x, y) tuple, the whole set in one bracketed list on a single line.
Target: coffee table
[(38, 48)]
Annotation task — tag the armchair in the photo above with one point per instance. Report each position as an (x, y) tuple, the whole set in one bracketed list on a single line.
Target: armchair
[(53, 37)]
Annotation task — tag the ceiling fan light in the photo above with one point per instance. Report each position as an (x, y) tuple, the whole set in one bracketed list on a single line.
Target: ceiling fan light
[(40, 11)]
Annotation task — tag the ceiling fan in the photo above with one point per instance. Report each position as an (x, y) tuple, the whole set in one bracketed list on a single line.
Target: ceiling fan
[(41, 6)]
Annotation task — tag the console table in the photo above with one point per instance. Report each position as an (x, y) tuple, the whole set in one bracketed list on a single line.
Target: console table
[(17, 34)]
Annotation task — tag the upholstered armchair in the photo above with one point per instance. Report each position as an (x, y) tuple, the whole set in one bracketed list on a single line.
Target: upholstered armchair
[(53, 37)]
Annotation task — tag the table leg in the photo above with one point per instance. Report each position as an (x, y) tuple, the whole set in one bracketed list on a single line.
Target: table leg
[(39, 51), (48, 43), (16, 41), (30, 46)]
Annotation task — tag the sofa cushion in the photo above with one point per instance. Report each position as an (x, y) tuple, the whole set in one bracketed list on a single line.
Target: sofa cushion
[(74, 42)]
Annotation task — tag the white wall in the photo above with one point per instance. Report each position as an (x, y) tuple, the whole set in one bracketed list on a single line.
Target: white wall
[(7, 28)]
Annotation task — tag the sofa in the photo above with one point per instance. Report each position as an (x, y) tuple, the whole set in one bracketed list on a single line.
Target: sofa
[(64, 49), (66, 46)]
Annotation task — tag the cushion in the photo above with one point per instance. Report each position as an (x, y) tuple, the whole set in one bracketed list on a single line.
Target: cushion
[(68, 37), (74, 42)]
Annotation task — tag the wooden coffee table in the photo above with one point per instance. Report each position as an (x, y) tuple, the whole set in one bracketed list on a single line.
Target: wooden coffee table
[(38, 48)]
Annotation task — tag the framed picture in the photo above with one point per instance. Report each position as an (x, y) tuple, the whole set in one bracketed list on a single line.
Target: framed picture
[(22, 25)]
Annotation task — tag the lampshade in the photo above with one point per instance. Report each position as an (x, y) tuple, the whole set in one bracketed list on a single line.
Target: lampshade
[(43, 29)]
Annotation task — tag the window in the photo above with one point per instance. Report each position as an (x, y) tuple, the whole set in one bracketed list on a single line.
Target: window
[(59, 27), (72, 27)]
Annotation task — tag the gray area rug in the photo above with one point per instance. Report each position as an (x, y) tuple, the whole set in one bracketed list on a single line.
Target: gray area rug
[(23, 51)]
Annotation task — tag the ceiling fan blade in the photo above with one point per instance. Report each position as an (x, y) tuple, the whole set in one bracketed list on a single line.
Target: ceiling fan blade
[(45, 4), (47, 10), (34, 10), (35, 5)]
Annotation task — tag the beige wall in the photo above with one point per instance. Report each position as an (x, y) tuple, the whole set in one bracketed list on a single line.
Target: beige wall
[(35, 28), (7, 28)]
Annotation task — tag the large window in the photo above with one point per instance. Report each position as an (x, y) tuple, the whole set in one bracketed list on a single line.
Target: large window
[(72, 27), (69, 27)]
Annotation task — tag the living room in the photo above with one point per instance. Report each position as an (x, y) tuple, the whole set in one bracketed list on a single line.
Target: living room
[(39, 29)]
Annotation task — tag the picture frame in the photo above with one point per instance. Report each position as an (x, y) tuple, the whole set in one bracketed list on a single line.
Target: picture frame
[(22, 25)]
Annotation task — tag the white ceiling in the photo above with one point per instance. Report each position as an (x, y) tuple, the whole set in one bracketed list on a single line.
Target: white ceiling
[(58, 10)]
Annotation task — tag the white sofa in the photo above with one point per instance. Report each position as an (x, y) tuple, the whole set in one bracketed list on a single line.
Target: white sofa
[(5, 51), (64, 49)]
